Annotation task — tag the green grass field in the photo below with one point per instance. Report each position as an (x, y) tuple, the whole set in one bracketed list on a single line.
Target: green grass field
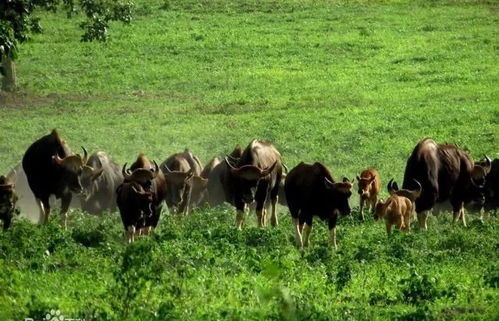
[(353, 84)]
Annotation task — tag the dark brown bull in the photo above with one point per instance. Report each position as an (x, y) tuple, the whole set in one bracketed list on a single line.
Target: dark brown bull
[(8, 200), (150, 196), (51, 169), (445, 172), (311, 191), (256, 176), (369, 187), (182, 172), (99, 179)]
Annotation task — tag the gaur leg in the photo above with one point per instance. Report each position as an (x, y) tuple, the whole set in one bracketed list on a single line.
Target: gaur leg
[(240, 206), (131, 233), (44, 205), (374, 200), (298, 237), (183, 208), (273, 219), (458, 212), (407, 220), (274, 197), (65, 201), (260, 198), (422, 219), (332, 230), (307, 229), (361, 208), (301, 222), (388, 228), (6, 221)]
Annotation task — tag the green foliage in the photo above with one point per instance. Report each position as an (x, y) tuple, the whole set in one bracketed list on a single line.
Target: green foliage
[(17, 20), (419, 287)]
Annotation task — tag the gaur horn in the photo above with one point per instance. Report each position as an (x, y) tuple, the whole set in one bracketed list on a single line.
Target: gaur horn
[(85, 155), (57, 159), (228, 162), (390, 187), (126, 173), (488, 160), (417, 192), (155, 169), (168, 170)]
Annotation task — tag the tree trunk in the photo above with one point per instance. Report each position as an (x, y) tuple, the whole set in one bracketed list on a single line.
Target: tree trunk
[(9, 74)]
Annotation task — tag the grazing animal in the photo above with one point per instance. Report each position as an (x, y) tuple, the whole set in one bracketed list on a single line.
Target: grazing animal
[(369, 187), (99, 179), (445, 172), (8, 200), (396, 211), (51, 169), (182, 172), (220, 182), (311, 191), (135, 206), (256, 176)]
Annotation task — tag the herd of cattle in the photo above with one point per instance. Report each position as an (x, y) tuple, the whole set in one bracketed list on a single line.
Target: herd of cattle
[(251, 178)]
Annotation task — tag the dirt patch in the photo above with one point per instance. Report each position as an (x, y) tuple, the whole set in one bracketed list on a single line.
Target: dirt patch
[(26, 100)]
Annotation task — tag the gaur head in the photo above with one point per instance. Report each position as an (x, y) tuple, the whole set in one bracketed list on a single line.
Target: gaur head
[(8, 201), (199, 192), (71, 168), (248, 177), (480, 171), (365, 185), (87, 178), (338, 194), (136, 197), (476, 191), (177, 183), (141, 176)]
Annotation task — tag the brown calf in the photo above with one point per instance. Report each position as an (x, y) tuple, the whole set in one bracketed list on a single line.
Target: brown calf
[(369, 187), (396, 210)]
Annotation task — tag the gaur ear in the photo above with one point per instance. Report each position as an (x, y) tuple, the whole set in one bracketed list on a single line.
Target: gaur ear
[(395, 186), (358, 178)]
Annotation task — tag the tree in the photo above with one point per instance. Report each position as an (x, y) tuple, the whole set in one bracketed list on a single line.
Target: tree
[(17, 23)]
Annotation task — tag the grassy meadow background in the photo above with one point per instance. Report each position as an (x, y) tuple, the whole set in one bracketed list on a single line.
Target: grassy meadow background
[(353, 84)]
